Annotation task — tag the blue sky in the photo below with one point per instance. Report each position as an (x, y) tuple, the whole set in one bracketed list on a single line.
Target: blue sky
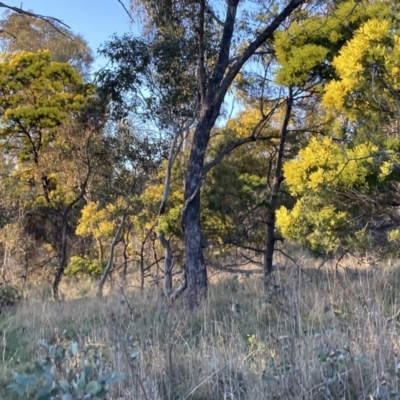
[(95, 20)]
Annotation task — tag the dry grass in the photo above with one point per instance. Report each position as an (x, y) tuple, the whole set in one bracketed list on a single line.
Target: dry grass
[(317, 336)]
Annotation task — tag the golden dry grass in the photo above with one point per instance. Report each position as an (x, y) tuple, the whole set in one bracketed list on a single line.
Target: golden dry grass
[(316, 336)]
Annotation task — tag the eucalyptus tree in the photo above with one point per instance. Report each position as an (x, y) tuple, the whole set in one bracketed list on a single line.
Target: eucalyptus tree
[(234, 42), (21, 32), (151, 82)]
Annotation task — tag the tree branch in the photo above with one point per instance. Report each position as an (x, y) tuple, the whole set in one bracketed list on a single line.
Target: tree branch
[(126, 10), (52, 21), (254, 45)]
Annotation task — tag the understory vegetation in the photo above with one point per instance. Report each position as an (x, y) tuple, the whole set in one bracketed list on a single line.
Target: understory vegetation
[(328, 333)]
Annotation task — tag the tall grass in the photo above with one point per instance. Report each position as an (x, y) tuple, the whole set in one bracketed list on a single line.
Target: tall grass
[(317, 335)]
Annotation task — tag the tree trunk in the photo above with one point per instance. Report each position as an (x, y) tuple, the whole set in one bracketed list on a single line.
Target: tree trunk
[(278, 178), (196, 273), (101, 252), (126, 258), (111, 257), (62, 256), (212, 93), (168, 264)]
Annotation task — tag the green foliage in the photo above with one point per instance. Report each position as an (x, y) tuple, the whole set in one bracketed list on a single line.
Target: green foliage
[(67, 374), (331, 183), (24, 33), (9, 295), (36, 97), (306, 49), (84, 266)]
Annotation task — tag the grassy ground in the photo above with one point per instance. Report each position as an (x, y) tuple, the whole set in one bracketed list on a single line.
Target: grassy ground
[(316, 336)]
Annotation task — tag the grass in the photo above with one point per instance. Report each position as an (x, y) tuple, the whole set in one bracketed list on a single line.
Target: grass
[(317, 335)]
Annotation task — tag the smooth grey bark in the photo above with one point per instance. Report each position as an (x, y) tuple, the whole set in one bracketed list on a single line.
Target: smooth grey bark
[(212, 96), (111, 256), (273, 201)]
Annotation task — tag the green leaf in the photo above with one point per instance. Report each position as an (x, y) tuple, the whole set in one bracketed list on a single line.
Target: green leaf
[(134, 355), (115, 377), (89, 371), (24, 380), (44, 393), (81, 381), (16, 388), (65, 386), (74, 348), (93, 387)]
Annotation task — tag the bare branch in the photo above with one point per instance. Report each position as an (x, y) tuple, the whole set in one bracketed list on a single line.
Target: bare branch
[(253, 47), (232, 147), (52, 21), (126, 10), (8, 33)]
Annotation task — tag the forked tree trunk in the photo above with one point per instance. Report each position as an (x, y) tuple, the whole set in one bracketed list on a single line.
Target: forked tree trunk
[(212, 93), (111, 256), (278, 178)]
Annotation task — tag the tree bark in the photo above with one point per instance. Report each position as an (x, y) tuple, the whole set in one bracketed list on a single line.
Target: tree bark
[(111, 256), (212, 97), (62, 255), (277, 180), (196, 273)]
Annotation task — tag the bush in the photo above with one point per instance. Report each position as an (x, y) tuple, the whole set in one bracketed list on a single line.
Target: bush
[(66, 375), (84, 266), (9, 295)]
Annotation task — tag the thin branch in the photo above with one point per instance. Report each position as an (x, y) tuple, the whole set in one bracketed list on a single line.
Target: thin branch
[(232, 147), (8, 33), (201, 65), (251, 48), (52, 21), (251, 138), (126, 10)]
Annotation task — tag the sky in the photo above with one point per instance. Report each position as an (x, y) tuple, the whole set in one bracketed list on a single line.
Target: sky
[(95, 20)]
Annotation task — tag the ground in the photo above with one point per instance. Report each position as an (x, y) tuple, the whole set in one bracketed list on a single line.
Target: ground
[(319, 334)]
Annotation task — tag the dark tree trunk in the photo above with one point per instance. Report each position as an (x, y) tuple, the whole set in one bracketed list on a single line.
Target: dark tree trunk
[(126, 258), (62, 255), (278, 178), (196, 273), (212, 93)]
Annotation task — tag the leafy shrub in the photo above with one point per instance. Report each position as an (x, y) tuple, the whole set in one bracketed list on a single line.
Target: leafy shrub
[(65, 375), (84, 266), (9, 295)]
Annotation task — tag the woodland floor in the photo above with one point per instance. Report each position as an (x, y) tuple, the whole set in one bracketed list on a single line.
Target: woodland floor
[(319, 335)]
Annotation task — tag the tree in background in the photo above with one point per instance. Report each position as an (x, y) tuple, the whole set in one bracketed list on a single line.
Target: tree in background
[(47, 132), (27, 33)]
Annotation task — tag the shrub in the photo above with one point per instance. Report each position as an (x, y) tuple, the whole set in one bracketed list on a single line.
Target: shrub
[(66, 375)]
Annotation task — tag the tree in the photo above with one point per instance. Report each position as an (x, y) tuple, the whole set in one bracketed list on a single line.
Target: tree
[(214, 82), (156, 78), (47, 129), (21, 11), (346, 188), (22, 32)]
